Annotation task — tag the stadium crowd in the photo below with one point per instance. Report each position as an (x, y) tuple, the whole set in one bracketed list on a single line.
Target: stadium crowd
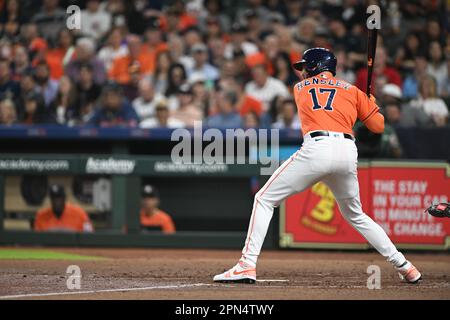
[(154, 63)]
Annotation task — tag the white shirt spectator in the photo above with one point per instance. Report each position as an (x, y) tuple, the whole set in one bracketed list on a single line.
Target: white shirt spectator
[(440, 74), (431, 106), (95, 24), (248, 48), (272, 88), (146, 109), (280, 124), (108, 54)]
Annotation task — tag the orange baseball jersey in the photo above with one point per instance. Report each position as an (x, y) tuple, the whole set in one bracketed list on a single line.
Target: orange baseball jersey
[(159, 219), (327, 103), (73, 219)]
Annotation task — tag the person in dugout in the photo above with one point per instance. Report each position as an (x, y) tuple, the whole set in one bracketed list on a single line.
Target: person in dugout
[(62, 216), (153, 218)]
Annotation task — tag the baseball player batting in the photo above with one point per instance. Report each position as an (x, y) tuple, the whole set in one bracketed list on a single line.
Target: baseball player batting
[(328, 108)]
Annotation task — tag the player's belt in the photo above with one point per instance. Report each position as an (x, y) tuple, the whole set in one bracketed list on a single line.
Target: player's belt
[(327, 134)]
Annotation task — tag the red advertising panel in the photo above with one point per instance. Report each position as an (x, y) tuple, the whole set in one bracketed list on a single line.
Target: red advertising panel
[(394, 196)]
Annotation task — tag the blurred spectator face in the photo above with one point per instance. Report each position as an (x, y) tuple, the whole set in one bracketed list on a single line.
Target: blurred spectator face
[(307, 28), (212, 6), (433, 29), (271, 46), (20, 56), (251, 120), (7, 112), (200, 56), (27, 83), (177, 75), (4, 71), (31, 106), (392, 113), (42, 73), (112, 100), (435, 51), (163, 61), (380, 59), (228, 69), (421, 65), (146, 90), (29, 32), (86, 75), (50, 5), (259, 75), (192, 37), (288, 109), (65, 39), (226, 101), (412, 42), (185, 98), (162, 114), (134, 46), (93, 5), (115, 38), (85, 49), (337, 28), (428, 87), (153, 36), (65, 85)]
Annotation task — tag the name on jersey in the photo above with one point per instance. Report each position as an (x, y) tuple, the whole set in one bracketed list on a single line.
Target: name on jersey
[(329, 82)]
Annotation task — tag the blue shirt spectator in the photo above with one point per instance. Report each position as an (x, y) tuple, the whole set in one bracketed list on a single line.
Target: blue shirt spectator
[(227, 117)]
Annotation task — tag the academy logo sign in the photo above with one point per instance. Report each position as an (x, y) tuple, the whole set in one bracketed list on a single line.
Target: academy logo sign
[(110, 166)]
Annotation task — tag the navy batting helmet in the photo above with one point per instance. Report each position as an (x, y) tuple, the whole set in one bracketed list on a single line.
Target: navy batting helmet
[(317, 60)]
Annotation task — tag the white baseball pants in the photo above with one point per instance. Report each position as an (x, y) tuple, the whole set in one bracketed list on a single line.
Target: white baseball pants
[(332, 160)]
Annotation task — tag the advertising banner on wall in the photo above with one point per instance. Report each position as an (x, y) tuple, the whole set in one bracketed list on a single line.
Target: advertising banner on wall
[(394, 194)]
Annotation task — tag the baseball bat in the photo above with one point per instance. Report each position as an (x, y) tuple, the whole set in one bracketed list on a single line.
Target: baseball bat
[(371, 51)]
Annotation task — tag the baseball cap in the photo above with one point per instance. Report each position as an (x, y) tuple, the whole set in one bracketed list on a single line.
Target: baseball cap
[(185, 89), (149, 191), (199, 47), (56, 191), (392, 90)]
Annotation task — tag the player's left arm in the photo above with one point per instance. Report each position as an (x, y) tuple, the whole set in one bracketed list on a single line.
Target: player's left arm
[(368, 112)]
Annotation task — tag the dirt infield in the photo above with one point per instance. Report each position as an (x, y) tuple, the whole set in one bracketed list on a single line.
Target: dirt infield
[(187, 274)]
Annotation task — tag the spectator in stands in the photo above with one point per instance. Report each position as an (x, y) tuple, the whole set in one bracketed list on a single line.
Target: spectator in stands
[(146, 102), (60, 55), (162, 118), (95, 22), (63, 108), (160, 77), (187, 112), (227, 116), (288, 118), (46, 86), (177, 76), (283, 69), (398, 114), (50, 19), (239, 42), (62, 216), (114, 110), (154, 43), (8, 114), (251, 120), (437, 67), (85, 54), (412, 48), (344, 68), (137, 57), (87, 93), (411, 83), (201, 96), (34, 111), (20, 63), (11, 17), (115, 48), (430, 103), (153, 218), (201, 67), (8, 89), (264, 87)]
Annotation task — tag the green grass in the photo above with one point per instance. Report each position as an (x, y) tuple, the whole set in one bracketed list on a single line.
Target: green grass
[(32, 254)]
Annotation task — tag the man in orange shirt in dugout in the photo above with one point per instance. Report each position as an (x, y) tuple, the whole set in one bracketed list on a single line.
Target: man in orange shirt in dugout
[(62, 216), (153, 218)]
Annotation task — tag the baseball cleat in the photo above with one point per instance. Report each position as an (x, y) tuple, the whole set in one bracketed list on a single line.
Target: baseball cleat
[(409, 273), (242, 272)]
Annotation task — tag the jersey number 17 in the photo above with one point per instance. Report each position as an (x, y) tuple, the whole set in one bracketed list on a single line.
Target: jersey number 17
[(316, 105)]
